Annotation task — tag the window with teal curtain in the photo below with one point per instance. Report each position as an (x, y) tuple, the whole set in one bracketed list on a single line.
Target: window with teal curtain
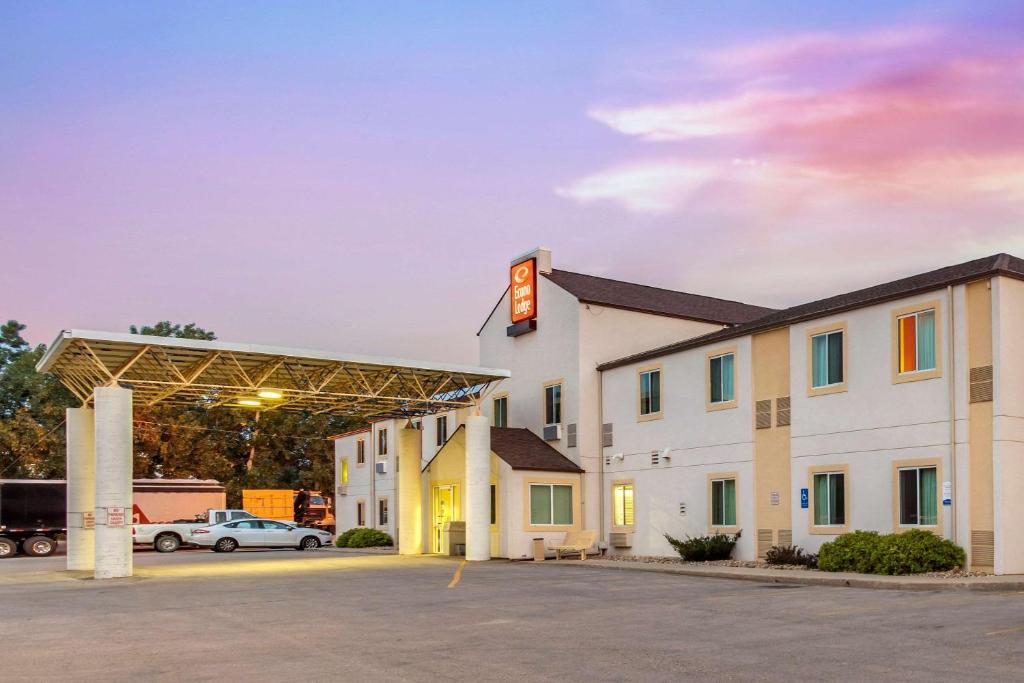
[(540, 504), (819, 360), (730, 502), (655, 391), (727, 377), (723, 502), (929, 514), (562, 504), (821, 516), (926, 340), (650, 392), (716, 380)]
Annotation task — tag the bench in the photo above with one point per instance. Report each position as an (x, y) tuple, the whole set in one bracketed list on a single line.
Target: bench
[(575, 542)]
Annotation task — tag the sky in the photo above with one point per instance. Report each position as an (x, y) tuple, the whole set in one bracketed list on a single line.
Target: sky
[(356, 176)]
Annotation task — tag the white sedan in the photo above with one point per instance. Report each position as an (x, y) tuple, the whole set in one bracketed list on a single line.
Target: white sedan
[(258, 533)]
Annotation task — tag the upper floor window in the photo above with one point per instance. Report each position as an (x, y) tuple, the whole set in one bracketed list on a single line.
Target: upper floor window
[(442, 430), (360, 452), (553, 404), (650, 392), (382, 442), (500, 406), (916, 341), (722, 378), (827, 359)]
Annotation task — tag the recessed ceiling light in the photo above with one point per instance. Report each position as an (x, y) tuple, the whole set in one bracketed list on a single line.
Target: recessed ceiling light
[(248, 402), (269, 393)]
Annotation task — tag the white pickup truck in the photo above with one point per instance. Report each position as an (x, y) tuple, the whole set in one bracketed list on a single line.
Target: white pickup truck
[(168, 537)]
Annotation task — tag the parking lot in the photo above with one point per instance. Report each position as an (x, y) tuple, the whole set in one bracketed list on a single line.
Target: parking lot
[(286, 615)]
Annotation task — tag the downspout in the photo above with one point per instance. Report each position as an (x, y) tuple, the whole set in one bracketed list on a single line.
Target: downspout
[(952, 410), (600, 453)]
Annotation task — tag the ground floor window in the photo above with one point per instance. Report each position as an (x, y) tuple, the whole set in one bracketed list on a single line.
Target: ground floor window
[(550, 504), (622, 502), (360, 513), (830, 499), (382, 511), (723, 502), (918, 496), (494, 504)]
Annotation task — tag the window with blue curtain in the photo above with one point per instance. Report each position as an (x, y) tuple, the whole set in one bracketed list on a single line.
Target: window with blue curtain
[(723, 502), (650, 392), (723, 380), (827, 359), (926, 340)]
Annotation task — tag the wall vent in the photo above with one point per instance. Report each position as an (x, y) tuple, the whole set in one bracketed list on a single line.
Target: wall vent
[(682, 509), (785, 537), (570, 435), (763, 414), (782, 412), (764, 541), (606, 435), (655, 458), (983, 548), (981, 384)]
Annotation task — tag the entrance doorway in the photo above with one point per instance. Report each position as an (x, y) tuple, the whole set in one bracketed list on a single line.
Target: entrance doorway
[(444, 504)]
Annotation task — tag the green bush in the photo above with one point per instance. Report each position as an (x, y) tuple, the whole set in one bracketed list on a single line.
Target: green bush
[(704, 548), (792, 555), (912, 552), (361, 537)]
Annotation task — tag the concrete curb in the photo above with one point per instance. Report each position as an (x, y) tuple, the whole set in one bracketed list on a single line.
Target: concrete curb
[(799, 577)]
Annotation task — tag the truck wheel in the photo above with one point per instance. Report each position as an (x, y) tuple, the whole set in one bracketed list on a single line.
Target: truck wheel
[(8, 548), (166, 543), (39, 546), (225, 545), (309, 543)]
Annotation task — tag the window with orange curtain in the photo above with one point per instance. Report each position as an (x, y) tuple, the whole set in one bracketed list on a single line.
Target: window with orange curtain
[(908, 343), (917, 341)]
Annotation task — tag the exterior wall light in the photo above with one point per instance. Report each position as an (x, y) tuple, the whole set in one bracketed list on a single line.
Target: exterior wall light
[(269, 393), (249, 402)]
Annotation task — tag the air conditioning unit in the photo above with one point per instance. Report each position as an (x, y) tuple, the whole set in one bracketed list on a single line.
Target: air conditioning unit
[(343, 490), (553, 432), (620, 539), (381, 467)]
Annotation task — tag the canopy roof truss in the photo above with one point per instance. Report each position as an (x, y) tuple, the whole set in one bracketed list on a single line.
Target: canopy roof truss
[(209, 374)]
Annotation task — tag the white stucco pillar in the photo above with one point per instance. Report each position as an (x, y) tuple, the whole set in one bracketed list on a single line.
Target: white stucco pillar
[(113, 482), (410, 492), (478, 488), (81, 493)]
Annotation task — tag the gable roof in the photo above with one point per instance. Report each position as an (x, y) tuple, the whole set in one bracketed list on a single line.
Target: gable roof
[(645, 299), (998, 264), (522, 450)]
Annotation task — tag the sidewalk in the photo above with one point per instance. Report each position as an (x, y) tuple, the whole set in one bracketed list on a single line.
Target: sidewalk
[(811, 578)]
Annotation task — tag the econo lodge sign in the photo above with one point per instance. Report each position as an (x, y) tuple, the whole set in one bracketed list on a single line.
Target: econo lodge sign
[(524, 290)]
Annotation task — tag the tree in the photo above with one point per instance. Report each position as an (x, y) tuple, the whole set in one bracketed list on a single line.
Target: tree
[(32, 410), (165, 328)]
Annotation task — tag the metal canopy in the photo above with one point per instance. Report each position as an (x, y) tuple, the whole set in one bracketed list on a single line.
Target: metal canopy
[(198, 373)]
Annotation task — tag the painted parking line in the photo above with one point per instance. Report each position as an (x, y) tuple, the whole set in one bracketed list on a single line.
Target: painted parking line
[(1005, 631), (458, 575)]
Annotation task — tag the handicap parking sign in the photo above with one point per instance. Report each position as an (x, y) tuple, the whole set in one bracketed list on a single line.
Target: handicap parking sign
[(805, 498)]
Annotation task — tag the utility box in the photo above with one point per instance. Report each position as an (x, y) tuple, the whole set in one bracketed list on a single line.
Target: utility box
[(453, 538)]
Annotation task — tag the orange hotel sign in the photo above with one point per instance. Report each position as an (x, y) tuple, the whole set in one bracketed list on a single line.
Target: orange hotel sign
[(523, 280)]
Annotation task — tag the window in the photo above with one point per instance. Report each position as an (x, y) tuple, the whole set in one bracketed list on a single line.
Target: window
[(722, 379), (382, 511), (344, 470), (382, 442), (830, 499), (501, 411), (827, 359), (553, 404), (442, 429), (918, 496), (916, 341), (650, 392), (253, 524), (274, 525), (360, 452), (494, 504), (361, 513), (241, 514), (723, 502), (622, 505), (550, 504)]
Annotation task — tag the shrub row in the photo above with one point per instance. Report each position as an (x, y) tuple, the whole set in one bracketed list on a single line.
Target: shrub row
[(791, 555), (361, 537), (911, 552), (704, 548)]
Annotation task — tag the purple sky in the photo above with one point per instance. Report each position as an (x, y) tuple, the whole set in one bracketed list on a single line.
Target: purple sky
[(355, 177)]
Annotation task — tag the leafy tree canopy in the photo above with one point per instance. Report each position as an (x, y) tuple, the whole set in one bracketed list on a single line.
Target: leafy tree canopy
[(165, 328)]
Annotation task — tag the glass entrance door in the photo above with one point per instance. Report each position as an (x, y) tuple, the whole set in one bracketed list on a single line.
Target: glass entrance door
[(443, 511)]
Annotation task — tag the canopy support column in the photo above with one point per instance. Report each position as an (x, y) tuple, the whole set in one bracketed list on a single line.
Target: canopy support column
[(113, 482), (410, 492), (81, 488), (478, 488)]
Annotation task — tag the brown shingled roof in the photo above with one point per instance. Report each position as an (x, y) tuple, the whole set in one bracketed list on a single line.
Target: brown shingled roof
[(523, 450), (630, 296), (998, 264)]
